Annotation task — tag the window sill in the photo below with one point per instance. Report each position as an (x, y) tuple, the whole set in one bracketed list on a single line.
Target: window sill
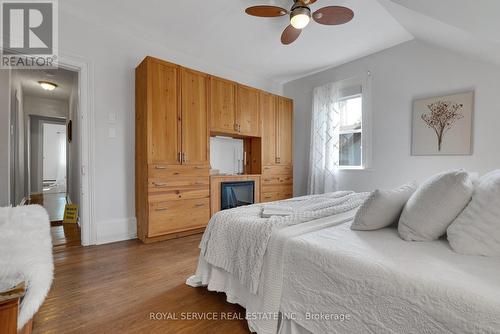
[(341, 168)]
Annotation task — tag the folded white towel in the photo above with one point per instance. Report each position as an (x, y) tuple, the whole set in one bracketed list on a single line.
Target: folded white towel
[(276, 210)]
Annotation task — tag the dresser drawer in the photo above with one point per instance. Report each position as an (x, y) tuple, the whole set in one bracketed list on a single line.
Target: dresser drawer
[(277, 170), (284, 189), (277, 179), (179, 194), (174, 171), (177, 184), (275, 196), (175, 216)]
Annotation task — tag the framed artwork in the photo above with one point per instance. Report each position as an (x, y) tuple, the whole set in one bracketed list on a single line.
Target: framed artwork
[(443, 125), (69, 131)]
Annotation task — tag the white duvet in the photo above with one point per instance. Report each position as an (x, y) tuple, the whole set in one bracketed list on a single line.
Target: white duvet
[(262, 308), (382, 284)]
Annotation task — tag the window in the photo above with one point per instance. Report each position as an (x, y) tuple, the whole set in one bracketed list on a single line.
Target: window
[(350, 131)]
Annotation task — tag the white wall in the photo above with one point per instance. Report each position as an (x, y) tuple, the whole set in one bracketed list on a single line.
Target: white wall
[(4, 137), (45, 109), (114, 52), (399, 75), (74, 161), (18, 175)]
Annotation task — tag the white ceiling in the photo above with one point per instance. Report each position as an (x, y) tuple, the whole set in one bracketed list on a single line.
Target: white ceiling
[(464, 26), (220, 31), (64, 79)]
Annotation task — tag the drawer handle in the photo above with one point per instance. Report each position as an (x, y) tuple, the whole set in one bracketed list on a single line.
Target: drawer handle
[(267, 197), (199, 167), (160, 167), (267, 180), (199, 205), (160, 184), (161, 209), (199, 184)]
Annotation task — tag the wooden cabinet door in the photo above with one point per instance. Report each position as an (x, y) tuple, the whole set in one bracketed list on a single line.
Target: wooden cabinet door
[(164, 118), (248, 111), (268, 114), (194, 110), (285, 131), (222, 105)]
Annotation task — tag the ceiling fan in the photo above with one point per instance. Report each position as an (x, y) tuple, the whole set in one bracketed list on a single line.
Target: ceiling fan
[(300, 16)]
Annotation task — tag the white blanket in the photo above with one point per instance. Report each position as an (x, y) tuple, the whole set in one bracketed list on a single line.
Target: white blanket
[(387, 285), (26, 252), (236, 240), (262, 308)]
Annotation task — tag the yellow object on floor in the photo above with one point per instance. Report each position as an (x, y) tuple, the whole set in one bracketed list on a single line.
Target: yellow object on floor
[(70, 213)]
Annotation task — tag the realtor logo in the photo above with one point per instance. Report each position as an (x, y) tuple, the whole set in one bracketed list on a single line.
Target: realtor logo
[(29, 33)]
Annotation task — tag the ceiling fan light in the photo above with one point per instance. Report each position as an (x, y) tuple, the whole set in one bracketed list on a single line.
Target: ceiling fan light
[(300, 17), (47, 85)]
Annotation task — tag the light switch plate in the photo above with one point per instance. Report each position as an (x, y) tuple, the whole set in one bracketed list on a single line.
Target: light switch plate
[(112, 132)]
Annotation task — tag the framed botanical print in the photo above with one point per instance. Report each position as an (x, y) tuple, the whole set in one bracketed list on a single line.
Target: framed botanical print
[(443, 125)]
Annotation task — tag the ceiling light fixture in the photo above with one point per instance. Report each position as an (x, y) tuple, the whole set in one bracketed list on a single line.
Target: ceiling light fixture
[(300, 17), (47, 85)]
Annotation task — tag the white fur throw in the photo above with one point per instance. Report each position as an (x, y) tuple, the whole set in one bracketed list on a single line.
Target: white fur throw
[(26, 251)]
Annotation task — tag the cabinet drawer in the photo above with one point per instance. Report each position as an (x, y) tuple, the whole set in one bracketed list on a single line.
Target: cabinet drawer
[(277, 170), (179, 194), (277, 179), (284, 189), (162, 185), (275, 196), (176, 216), (175, 171)]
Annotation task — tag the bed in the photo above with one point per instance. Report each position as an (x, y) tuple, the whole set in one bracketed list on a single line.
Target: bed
[(319, 276), (341, 281), (262, 302)]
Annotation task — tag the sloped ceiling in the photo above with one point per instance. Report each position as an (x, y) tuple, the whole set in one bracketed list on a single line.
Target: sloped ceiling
[(468, 27), (221, 32)]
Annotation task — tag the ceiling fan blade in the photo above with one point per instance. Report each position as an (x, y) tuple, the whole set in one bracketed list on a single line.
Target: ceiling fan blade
[(333, 15), (266, 11), (289, 35)]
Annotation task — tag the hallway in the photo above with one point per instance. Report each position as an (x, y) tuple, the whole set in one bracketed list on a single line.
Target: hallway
[(63, 235)]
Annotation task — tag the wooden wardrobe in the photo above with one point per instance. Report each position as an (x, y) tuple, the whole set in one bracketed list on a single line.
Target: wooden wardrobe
[(172, 155), (277, 147), (177, 110)]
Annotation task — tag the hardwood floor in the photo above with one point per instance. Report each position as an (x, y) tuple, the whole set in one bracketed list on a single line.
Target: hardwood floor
[(63, 235), (114, 289), (52, 202)]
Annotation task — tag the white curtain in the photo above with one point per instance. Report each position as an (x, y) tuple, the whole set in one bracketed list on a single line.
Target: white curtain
[(324, 151)]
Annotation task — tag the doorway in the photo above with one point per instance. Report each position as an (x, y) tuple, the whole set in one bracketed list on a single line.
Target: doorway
[(46, 155), (54, 158)]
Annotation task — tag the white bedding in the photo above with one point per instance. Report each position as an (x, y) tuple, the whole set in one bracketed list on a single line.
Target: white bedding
[(387, 285), (237, 239), (262, 308)]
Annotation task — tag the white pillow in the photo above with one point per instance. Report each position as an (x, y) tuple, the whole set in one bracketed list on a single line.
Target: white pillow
[(382, 208), (476, 231), (434, 206)]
